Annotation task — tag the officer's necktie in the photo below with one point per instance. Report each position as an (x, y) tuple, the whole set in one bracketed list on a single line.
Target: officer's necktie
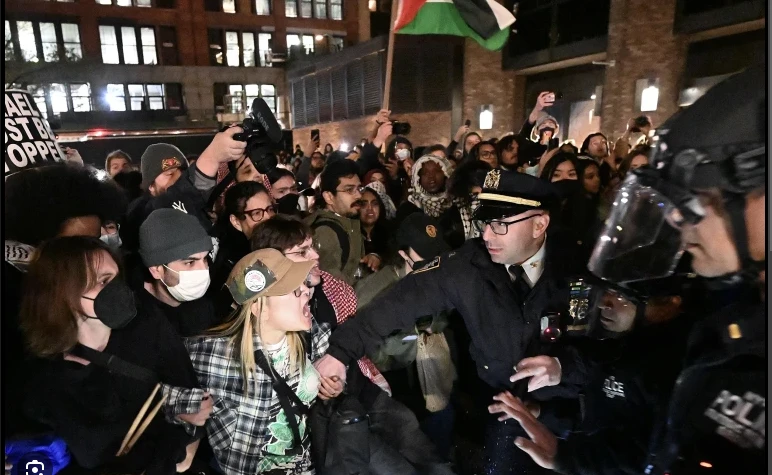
[(521, 285)]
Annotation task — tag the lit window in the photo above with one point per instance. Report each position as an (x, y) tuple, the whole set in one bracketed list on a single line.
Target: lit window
[(306, 8), (293, 40), (263, 46), (144, 3), (336, 9), (308, 43), (336, 43), (39, 95), (229, 6), (71, 40), (81, 97), (252, 92), (58, 94), (155, 96), (109, 42), (129, 39), (291, 8), (104, 2), (320, 8), (372, 5), (27, 44), (10, 54), (649, 99), (48, 40), (236, 92), (248, 40), (232, 48), (148, 46), (268, 93), (137, 97), (263, 7), (123, 3), (116, 97)]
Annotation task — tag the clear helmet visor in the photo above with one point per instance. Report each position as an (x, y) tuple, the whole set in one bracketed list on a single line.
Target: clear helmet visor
[(641, 239)]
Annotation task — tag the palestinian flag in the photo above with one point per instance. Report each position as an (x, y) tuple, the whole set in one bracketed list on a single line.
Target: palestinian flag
[(486, 21)]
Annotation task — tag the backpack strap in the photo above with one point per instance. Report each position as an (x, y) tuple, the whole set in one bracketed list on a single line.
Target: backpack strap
[(115, 364), (288, 400), (343, 237)]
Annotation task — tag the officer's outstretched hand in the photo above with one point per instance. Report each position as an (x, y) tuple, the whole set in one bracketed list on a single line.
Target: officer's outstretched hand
[(329, 367), (543, 445), (543, 371)]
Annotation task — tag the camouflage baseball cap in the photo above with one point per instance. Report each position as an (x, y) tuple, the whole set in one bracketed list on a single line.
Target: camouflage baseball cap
[(266, 273)]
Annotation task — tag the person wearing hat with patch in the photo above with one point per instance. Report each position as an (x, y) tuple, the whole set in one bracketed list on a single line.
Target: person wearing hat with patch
[(257, 369), (501, 284), (168, 182), (174, 249)]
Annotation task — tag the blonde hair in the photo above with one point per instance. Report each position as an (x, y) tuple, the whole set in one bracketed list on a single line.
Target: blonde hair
[(240, 328)]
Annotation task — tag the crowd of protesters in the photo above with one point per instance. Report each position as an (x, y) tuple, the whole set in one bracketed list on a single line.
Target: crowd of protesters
[(156, 322)]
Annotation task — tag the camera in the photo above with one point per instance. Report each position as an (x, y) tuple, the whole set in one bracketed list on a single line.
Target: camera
[(400, 128), (262, 133)]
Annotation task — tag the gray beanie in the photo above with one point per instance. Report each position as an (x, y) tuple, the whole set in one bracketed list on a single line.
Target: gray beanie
[(168, 235), (157, 159)]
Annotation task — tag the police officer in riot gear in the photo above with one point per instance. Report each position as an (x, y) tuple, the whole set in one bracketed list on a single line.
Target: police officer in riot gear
[(705, 195)]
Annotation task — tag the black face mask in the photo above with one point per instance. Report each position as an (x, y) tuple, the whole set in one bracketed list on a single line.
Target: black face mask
[(114, 305), (288, 204), (567, 188)]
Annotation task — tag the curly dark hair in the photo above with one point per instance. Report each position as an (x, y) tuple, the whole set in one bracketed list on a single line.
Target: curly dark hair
[(465, 176), (39, 201)]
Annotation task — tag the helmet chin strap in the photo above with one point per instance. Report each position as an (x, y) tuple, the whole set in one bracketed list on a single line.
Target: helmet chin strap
[(749, 268)]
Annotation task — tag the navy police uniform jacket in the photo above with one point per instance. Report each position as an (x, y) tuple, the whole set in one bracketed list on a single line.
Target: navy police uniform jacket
[(716, 418), (503, 330)]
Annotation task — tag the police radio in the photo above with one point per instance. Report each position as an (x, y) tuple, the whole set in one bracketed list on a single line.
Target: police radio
[(578, 305)]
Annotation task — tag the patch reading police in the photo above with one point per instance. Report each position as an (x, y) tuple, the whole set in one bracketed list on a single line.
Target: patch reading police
[(740, 418), (254, 280), (435, 263), (431, 231), (492, 180)]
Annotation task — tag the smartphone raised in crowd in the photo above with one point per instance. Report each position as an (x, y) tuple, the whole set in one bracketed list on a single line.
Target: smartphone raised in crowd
[(315, 135), (468, 122)]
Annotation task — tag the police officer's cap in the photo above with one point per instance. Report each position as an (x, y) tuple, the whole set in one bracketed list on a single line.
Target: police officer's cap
[(508, 193)]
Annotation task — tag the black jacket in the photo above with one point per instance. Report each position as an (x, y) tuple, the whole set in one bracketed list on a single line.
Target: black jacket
[(628, 384), (717, 413), (503, 330)]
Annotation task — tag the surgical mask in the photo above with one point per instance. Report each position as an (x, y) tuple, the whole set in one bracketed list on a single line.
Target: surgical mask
[(193, 284), (114, 304), (532, 170), (112, 240), (402, 154)]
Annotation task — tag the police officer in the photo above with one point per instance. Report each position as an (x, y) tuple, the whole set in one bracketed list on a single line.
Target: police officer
[(500, 284), (704, 194)]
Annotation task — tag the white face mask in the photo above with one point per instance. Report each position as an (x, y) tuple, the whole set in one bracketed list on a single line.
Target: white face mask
[(532, 170), (112, 240), (193, 284), (402, 153)]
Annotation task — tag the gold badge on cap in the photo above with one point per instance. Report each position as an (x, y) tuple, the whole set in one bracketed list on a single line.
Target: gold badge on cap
[(431, 231), (492, 179)]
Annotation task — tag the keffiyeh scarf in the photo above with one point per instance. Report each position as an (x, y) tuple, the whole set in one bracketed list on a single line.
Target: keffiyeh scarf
[(18, 255), (344, 302), (390, 211), (466, 210), (432, 204)]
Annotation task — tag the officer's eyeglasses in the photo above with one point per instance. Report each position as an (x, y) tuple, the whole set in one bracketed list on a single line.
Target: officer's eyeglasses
[(352, 190), (500, 227), (258, 214)]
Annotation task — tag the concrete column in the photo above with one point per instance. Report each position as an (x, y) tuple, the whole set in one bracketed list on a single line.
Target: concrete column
[(642, 43)]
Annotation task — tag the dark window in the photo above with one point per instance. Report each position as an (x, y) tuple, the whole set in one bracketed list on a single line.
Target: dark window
[(227, 6), (168, 40)]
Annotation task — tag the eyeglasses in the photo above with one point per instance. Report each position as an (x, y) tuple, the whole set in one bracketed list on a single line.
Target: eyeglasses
[(303, 252), (352, 190), (257, 214), (500, 227), (487, 154)]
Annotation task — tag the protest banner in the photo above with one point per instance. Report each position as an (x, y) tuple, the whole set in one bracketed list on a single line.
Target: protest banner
[(29, 140)]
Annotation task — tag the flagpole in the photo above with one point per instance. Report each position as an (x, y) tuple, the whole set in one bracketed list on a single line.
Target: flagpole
[(390, 55)]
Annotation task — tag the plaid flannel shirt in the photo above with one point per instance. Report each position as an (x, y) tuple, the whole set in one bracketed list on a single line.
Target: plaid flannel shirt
[(238, 426)]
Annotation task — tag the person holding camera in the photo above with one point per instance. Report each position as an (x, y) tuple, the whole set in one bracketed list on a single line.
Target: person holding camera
[(638, 125), (546, 128)]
